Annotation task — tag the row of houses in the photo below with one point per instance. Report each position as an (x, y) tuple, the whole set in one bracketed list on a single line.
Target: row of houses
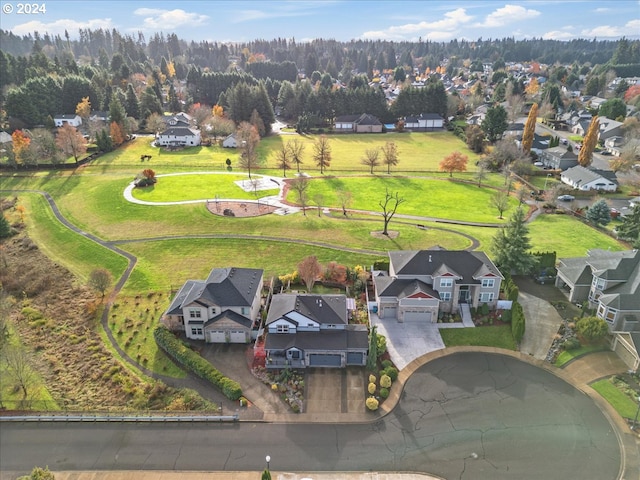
[(308, 330)]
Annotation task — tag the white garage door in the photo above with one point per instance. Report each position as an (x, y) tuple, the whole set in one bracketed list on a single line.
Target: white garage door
[(237, 336), (389, 312), (424, 317), (217, 336)]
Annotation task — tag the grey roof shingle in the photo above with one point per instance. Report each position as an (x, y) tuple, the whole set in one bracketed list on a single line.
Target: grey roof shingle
[(323, 309), (427, 262)]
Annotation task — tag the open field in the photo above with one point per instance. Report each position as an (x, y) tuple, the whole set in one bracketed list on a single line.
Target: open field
[(179, 242), (417, 152)]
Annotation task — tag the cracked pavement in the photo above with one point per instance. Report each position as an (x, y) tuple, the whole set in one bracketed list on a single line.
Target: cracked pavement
[(468, 415)]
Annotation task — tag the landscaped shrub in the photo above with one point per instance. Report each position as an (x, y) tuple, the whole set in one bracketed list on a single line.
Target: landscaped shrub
[(517, 322), (484, 309), (571, 344), (189, 359), (385, 381), (384, 392), (382, 345), (506, 316), (371, 388), (372, 379), (592, 328), (387, 364), (372, 404), (392, 372)]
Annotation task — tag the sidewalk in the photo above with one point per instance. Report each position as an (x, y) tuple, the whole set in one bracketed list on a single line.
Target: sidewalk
[(165, 475)]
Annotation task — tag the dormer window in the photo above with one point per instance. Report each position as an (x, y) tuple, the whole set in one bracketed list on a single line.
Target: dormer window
[(488, 282), (446, 282), (598, 283), (282, 329)]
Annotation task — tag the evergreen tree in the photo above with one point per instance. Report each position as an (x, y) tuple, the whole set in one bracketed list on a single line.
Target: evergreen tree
[(529, 129), (511, 246), (495, 122), (599, 213), (132, 106), (630, 228)]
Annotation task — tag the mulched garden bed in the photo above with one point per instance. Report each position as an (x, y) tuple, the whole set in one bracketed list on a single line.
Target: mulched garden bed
[(226, 208)]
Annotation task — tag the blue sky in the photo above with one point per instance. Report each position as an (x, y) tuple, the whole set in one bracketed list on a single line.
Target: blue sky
[(398, 20)]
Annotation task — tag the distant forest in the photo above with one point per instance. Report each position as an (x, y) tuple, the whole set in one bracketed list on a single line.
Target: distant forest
[(135, 77), (330, 56)]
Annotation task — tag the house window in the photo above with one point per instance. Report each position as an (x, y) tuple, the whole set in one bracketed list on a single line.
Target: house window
[(244, 311), (445, 296), (598, 283), (446, 282), (488, 282), (195, 314), (180, 319), (486, 297), (282, 329), (213, 310), (196, 331), (295, 354)]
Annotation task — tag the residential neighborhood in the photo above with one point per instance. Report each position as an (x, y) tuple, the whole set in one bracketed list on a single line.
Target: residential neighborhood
[(355, 240)]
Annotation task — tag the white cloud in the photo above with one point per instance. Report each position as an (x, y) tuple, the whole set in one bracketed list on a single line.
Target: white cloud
[(158, 19), (602, 10), (283, 10), (558, 35), (440, 30), (508, 14), (59, 26)]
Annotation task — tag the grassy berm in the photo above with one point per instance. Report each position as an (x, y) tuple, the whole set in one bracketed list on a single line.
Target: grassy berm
[(55, 319)]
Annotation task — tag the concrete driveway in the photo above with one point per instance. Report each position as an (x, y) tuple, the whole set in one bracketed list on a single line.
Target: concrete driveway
[(408, 341), (335, 390)]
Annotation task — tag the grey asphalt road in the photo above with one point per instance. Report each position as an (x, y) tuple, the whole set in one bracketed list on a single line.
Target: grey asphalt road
[(464, 416)]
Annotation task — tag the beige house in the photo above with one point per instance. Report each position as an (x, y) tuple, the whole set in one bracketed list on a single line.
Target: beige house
[(422, 284), (224, 308)]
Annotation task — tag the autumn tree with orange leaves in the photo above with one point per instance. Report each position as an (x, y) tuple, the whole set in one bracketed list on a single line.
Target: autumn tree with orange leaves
[(529, 129), (20, 142), (71, 142), (585, 157), (456, 162)]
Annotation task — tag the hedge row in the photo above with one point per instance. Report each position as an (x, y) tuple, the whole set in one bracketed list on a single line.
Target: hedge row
[(517, 322), (192, 361)]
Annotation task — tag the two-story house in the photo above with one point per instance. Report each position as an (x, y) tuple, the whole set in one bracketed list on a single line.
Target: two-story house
[(421, 284), (609, 281), (221, 309), (307, 330)]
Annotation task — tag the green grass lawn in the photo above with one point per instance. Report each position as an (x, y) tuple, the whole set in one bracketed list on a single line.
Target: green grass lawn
[(423, 197), (199, 186), (568, 236), (79, 254), (491, 336), (622, 404), (416, 152), (568, 355)]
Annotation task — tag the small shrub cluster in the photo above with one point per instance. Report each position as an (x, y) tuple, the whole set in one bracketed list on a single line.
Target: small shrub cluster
[(189, 359), (517, 322), (510, 289)]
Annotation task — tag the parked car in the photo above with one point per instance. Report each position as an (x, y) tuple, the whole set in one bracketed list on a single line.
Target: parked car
[(566, 198), (545, 276), (564, 141), (605, 152)]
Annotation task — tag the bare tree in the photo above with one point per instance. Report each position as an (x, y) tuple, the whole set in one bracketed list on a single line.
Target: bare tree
[(283, 159), (370, 158), (309, 270), (100, 280), (221, 126), (19, 366), (318, 199), (300, 185), (296, 147), (480, 174), (248, 139), (500, 200), (322, 153), (389, 207), (345, 198), (390, 154), (155, 123)]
